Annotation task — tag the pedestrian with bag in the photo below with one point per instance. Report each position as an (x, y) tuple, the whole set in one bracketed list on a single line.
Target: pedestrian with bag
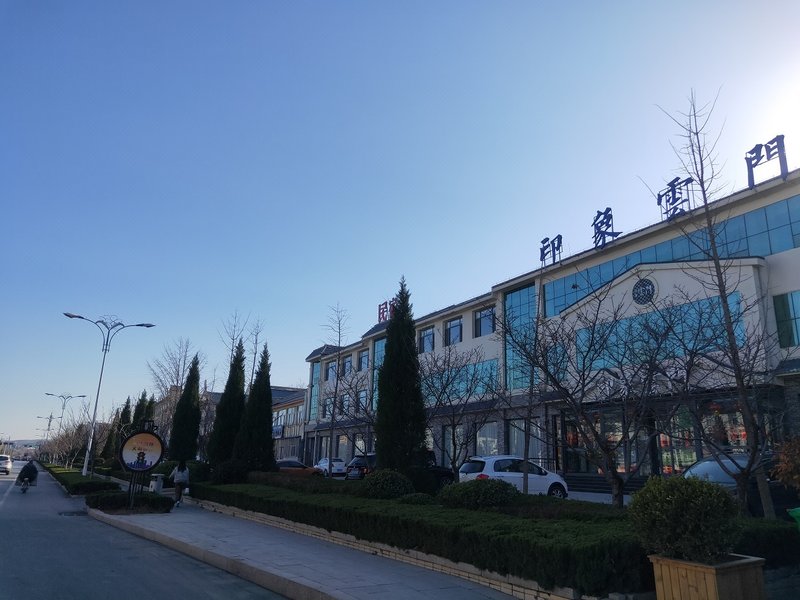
[(180, 475)]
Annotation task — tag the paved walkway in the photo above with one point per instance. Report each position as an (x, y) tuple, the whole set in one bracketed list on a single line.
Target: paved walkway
[(292, 564)]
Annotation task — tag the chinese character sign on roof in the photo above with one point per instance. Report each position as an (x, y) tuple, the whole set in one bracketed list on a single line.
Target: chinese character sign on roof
[(385, 311), (762, 153), (674, 197), (603, 225), (550, 249)]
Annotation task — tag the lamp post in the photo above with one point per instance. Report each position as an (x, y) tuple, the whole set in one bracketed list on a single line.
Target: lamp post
[(64, 399), (109, 327)]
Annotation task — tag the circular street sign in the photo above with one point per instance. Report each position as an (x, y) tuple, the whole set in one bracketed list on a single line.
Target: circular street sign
[(141, 451)]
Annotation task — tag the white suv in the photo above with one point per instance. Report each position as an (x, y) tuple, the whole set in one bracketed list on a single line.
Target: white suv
[(509, 468), (6, 464)]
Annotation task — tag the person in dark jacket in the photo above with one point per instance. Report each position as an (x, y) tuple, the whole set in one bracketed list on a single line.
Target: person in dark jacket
[(29, 471)]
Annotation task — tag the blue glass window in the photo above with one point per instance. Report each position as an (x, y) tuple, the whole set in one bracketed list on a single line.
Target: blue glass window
[(780, 239), (793, 204), (755, 221), (759, 244), (520, 312), (787, 317), (777, 214)]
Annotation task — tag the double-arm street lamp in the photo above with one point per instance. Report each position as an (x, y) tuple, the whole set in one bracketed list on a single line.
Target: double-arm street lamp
[(109, 327), (64, 399)]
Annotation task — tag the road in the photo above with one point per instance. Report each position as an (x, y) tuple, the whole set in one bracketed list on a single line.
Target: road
[(52, 551)]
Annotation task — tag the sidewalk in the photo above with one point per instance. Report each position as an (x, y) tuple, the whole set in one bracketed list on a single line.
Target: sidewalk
[(294, 565)]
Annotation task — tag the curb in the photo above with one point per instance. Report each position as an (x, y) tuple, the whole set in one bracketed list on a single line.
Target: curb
[(261, 577)]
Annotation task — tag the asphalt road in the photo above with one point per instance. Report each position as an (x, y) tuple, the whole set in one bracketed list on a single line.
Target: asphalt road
[(52, 551)]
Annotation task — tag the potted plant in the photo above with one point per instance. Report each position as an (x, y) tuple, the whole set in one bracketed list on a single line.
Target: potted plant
[(787, 471), (690, 525)]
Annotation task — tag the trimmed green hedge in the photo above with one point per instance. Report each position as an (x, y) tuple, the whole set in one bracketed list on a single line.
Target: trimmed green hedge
[(118, 501), (76, 484), (591, 557)]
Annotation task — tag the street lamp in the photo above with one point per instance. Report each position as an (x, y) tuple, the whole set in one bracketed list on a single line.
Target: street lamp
[(64, 399), (49, 422), (109, 327)]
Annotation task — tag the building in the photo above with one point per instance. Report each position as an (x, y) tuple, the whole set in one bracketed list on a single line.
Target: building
[(287, 421), (600, 311)]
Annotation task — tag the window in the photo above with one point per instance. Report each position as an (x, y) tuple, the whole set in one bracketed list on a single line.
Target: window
[(327, 404), (314, 395), (452, 332), (363, 360), (484, 322), (347, 365), (425, 340), (330, 370), (486, 440), (787, 316), (361, 402)]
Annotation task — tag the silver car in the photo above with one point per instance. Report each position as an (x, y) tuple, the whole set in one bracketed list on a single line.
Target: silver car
[(6, 464)]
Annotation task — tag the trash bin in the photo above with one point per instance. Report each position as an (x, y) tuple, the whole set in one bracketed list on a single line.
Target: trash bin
[(156, 482)]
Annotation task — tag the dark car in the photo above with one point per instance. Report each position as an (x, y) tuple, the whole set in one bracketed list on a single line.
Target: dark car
[(288, 465), (364, 464), (709, 468), (361, 466)]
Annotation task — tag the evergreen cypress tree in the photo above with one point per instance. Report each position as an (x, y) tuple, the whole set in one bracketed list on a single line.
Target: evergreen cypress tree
[(150, 409), (400, 419), (229, 412), (186, 420), (125, 419), (109, 448), (138, 411), (254, 445)]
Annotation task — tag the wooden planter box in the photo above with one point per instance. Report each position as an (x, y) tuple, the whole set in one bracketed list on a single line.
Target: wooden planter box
[(740, 578)]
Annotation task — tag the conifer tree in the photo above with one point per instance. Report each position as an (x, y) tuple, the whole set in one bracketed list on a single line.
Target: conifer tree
[(150, 409), (138, 411), (229, 411), (400, 422), (186, 421), (254, 445), (110, 447), (125, 418)]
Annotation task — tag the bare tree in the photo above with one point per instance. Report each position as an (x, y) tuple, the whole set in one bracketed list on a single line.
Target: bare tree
[(461, 390), (357, 406), (169, 375), (233, 330), (601, 366), (742, 357), (333, 403), (255, 332)]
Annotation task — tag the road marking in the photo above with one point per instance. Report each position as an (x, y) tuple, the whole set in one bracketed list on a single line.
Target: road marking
[(8, 491)]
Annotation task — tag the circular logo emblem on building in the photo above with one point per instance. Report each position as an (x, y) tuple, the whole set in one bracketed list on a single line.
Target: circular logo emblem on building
[(644, 291)]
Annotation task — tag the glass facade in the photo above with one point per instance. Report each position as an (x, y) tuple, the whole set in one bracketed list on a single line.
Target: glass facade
[(486, 439), (363, 360), (378, 353), (520, 315), (760, 232), (787, 315), (515, 437), (314, 395)]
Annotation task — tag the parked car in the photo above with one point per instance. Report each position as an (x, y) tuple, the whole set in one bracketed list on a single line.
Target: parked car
[(335, 467), (6, 464), (361, 466), (364, 464), (288, 465), (509, 468), (709, 469)]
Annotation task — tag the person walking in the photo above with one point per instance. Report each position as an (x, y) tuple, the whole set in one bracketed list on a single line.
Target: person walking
[(180, 475)]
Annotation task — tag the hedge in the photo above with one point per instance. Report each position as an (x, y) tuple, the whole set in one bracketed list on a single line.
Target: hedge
[(593, 558), (119, 501), (77, 484)]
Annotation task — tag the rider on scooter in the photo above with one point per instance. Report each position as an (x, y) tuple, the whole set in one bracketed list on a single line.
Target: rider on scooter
[(29, 472)]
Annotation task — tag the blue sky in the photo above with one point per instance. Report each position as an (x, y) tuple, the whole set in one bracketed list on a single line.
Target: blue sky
[(174, 162)]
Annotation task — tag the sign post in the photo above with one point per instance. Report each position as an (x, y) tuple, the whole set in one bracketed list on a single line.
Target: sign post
[(140, 453)]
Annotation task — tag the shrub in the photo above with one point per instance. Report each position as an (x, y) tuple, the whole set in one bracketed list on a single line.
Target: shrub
[(119, 501), (232, 471), (198, 471), (776, 541), (386, 484), (92, 485), (478, 493), (417, 498), (685, 518), (423, 480), (787, 471)]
